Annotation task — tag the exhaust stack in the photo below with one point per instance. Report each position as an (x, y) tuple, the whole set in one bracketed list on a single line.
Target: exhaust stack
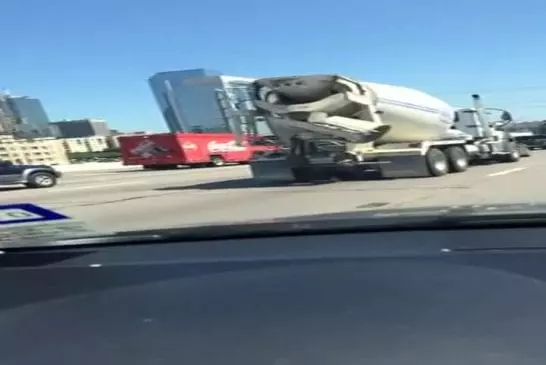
[(482, 116)]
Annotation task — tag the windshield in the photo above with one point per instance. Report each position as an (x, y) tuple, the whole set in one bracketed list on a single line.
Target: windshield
[(126, 117), (281, 182)]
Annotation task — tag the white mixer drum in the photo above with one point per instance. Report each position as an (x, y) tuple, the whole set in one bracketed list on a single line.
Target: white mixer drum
[(412, 114)]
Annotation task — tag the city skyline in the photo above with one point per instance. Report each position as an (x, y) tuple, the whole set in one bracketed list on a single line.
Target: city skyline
[(191, 90), (25, 116)]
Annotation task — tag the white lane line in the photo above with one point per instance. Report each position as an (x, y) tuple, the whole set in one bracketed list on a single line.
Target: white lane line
[(506, 172), (87, 187), (62, 189), (68, 188)]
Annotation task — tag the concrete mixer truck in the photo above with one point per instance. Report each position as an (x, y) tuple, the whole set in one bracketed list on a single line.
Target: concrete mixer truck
[(336, 127)]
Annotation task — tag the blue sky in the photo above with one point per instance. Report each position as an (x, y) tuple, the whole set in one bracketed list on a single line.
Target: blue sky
[(92, 58)]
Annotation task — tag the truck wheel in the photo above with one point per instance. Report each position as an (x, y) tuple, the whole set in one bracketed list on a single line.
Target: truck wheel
[(524, 151), (41, 180), (514, 154), (217, 161), (457, 159), (437, 162)]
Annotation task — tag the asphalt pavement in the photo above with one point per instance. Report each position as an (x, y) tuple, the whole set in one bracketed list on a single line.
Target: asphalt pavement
[(135, 199)]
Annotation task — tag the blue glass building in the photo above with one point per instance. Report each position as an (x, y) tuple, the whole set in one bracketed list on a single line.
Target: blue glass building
[(189, 99), (28, 110), (29, 115)]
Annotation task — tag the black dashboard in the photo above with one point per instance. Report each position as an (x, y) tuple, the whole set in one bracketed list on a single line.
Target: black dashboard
[(456, 297)]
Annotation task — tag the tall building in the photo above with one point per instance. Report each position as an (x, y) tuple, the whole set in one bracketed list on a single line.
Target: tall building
[(28, 110), (7, 120), (23, 116), (42, 150), (80, 128), (86, 144), (189, 99)]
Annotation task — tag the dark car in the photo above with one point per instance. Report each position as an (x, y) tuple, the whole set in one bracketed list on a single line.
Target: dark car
[(32, 176)]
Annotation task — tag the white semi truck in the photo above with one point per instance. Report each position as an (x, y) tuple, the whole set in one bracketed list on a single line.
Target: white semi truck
[(333, 126)]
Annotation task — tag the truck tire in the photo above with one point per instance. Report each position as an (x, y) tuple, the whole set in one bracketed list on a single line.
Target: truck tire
[(217, 161), (524, 151), (437, 162), (38, 180), (514, 154), (457, 159)]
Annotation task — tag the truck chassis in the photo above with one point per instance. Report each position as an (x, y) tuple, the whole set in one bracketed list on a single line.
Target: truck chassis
[(304, 162)]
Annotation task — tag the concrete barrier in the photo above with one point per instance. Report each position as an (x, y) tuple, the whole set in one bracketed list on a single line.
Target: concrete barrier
[(94, 166)]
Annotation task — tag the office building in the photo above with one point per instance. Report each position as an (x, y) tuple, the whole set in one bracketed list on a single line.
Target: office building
[(80, 128), (23, 116), (28, 110), (189, 99), (30, 117), (86, 144), (37, 151), (23, 130), (7, 120)]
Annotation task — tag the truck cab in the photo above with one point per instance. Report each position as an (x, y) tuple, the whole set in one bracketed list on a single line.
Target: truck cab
[(467, 120), (475, 123)]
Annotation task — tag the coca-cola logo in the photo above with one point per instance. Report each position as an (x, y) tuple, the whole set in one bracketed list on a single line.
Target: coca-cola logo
[(230, 146)]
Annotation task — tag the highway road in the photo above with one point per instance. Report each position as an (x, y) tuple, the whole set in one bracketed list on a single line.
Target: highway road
[(128, 200)]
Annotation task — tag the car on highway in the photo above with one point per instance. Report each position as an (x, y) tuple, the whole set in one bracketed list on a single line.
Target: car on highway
[(32, 176)]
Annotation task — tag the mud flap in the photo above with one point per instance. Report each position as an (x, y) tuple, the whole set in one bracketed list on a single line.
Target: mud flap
[(403, 166), (278, 169)]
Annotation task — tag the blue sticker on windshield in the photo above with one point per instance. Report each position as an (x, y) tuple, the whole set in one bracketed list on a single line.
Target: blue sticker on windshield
[(27, 213)]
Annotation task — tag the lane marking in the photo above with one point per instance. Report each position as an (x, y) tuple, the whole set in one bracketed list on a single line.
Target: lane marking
[(62, 189), (68, 188), (101, 186), (506, 172)]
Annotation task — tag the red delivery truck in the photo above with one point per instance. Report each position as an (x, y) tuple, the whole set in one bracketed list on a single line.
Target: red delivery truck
[(169, 150)]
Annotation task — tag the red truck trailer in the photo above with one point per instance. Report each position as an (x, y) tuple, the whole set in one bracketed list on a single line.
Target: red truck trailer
[(169, 150)]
